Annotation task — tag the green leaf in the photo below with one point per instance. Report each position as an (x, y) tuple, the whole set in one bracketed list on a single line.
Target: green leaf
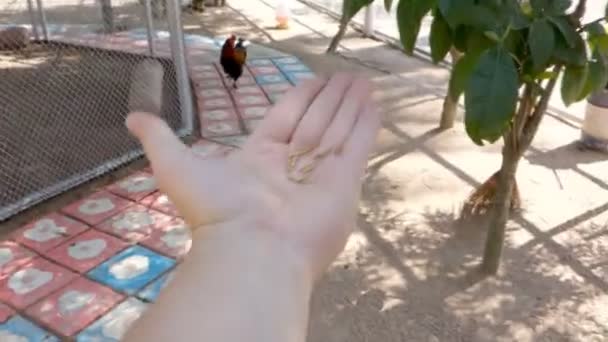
[(518, 19), (440, 39), (559, 7), (409, 19), (566, 29), (478, 42), (455, 12), (492, 36), (539, 6), (388, 4), (460, 37), (576, 56), (541, 40), (491, 96), (350, 8), (461, 73), (573, 83), (597, 77)]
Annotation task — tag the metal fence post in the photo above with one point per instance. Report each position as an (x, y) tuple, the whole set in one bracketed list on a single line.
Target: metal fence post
[(369, 20), (42, 16), (150, 28), (178, 52), (30, 9)]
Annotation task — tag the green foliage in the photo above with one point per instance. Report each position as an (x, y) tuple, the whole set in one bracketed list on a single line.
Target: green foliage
[(508, 44), (409, 19), (441, 38), (350, 8), (491, 95)]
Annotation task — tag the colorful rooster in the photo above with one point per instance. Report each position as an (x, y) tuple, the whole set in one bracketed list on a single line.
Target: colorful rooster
[(233, 58)]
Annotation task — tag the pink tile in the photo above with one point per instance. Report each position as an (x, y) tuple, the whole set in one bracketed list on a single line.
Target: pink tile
[(202, 67), (254, 112), (160, 202), (87, 250), (243, 81), (135, 223), (217, 114), (5, 312), (205, 74), (208, 84), (214, 103), (135, 186), (48, 232), (264, 70), (74, 307), (12, 255), (33, 281), (252, 124), (97, 207), (251, 100), (220, 128), (245, 90), (205, 149), (211, 93), (174, 239), (276, 87)]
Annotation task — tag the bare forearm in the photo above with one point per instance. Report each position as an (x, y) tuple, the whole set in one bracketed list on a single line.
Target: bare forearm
[(235, 285)]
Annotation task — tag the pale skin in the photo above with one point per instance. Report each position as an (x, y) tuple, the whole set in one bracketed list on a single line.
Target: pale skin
[(264, 228)]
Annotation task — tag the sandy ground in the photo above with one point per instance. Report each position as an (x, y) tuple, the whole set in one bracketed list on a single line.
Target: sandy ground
[(408, 272)]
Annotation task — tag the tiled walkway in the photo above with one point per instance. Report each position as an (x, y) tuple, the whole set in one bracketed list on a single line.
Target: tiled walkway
[(89, 270)]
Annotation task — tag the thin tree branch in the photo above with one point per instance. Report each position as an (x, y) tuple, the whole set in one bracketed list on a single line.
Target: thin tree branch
[(529, 130), (579, 12)]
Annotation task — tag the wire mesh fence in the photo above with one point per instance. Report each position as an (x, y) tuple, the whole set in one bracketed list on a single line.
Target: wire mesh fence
[(63, 100)]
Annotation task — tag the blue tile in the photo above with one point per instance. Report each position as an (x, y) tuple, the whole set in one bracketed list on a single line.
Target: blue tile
[(296, 67), (298, 77), (131, 269), (151, 292), (259, 62), (112, 326), (18, 329), (286, 60), (267, 79)]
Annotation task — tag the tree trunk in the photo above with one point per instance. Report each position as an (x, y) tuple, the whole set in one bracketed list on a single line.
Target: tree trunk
[(501, 207), (107, 16), (450, 105), (333, 46)]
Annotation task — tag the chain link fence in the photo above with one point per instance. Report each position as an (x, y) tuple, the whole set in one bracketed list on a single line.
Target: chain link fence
[(66, 73)]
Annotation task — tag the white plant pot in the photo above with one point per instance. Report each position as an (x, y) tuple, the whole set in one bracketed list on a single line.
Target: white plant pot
[(595, 126)]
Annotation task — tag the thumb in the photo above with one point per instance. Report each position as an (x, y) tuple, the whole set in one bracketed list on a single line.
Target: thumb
[(162, 147)]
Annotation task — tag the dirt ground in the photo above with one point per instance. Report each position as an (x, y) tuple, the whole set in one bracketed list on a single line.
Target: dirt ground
[(409, 271)]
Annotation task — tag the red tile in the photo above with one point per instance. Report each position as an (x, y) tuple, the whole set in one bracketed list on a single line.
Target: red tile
[(173, 239), (206, 149), (161, 202), (220, 128), (48, 232), (276, 87), (218, 114), (254, 112), (5, 312), (97, 207), (205, 75), (247, 90), (12, 255), (87, 250), (251, 100), (264, 70), (202, 67), (74, 307), (135, 223), (215, 103), (135, 186), (243, 81), (211, 93), (209, 83), (33, 281)]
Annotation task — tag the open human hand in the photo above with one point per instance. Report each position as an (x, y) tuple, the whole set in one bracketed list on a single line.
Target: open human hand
[(298, 176)]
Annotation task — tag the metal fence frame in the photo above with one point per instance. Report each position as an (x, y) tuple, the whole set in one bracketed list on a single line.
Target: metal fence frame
[(40, 32)]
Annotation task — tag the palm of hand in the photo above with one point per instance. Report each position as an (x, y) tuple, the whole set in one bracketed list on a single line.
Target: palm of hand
[(256, 187)]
